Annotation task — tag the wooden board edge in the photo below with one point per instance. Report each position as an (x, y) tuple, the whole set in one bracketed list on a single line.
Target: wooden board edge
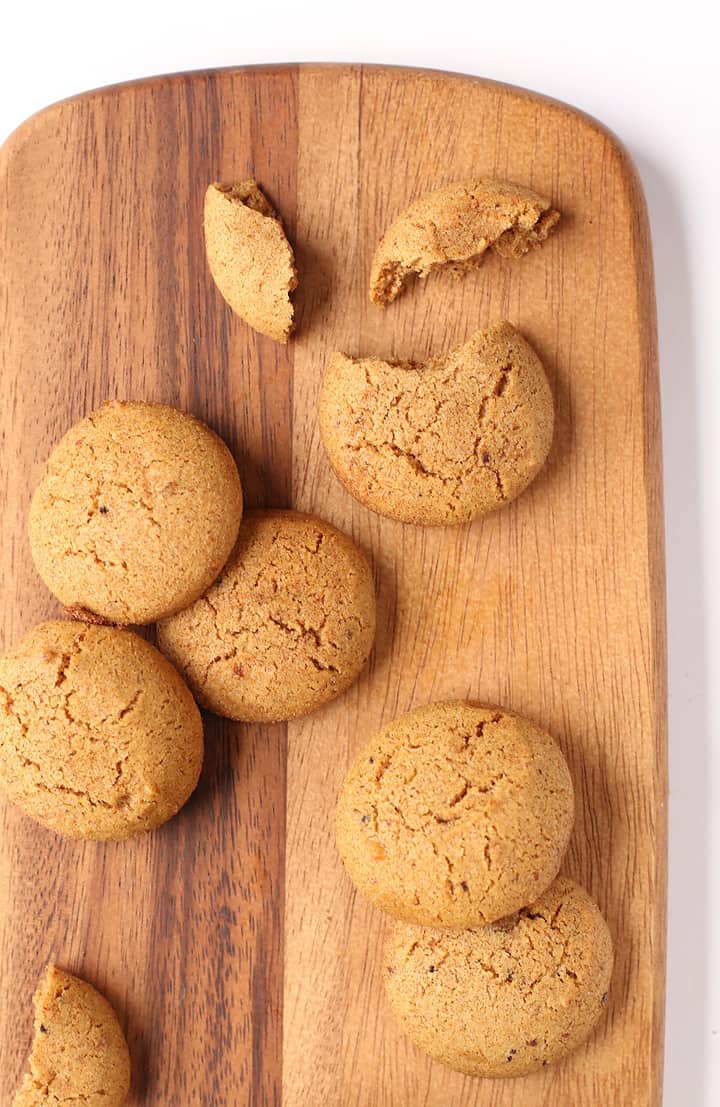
[(27, 129), (647, 319)]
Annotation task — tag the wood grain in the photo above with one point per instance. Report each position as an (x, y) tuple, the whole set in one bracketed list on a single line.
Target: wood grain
[(244, 968)]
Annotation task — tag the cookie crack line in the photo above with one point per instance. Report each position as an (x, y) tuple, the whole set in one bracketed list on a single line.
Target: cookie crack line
[(435, 948), (384, 447), (138, 500), (63, 789), (438, 367), (61, 678), (322, 668), (303, 632), (90, 550)]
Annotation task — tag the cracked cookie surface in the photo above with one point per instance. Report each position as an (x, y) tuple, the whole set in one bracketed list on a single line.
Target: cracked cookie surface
[(79, 1053), (250, 258), (442, 442), (456, 814), (454, 227), (136, 514), (287, 626), (99, 736), (508, 999)]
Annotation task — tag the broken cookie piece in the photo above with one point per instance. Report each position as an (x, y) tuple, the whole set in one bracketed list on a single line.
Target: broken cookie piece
[(79, 1053), (251, 260), (453, 228), (441, 442)]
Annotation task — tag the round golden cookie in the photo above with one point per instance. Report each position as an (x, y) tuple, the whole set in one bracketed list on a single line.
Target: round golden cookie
[(504, 999), (443, 442), (455, 815), (99, 736), (79, 1053), (136, 514), (287, 626)]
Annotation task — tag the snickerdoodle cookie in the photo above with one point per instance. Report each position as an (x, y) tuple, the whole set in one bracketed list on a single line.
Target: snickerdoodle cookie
[(136, 514), (99, 736), (441, 442), (286, 627), (251, 260), (455, 815), (504, 999), (453, 227), (79, 1053)]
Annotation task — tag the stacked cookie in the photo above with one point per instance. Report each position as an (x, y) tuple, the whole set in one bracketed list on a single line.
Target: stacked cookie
[(454, 820), (137, 519), (287, 626)]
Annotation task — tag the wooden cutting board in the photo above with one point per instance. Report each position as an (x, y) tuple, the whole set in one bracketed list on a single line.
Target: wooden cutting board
[(245, 970)]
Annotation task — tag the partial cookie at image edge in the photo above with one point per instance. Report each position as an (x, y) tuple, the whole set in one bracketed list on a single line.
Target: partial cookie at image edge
[(100, 737), (79, 1052)]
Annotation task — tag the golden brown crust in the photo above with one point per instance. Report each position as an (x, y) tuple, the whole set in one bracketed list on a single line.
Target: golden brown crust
[(504, 1000), (136, 514), (79, 1053), (250, 258), (444, 442), (453, 227), (287, 626), (99, 736), (456, 814)]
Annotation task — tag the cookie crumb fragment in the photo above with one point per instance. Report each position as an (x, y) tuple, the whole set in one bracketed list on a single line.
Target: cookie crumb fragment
[(83, 615)]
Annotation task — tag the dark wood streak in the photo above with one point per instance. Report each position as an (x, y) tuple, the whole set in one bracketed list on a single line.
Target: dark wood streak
[(105, 292)]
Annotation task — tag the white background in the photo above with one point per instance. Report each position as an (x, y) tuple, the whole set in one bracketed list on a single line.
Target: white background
[(648, 69)]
